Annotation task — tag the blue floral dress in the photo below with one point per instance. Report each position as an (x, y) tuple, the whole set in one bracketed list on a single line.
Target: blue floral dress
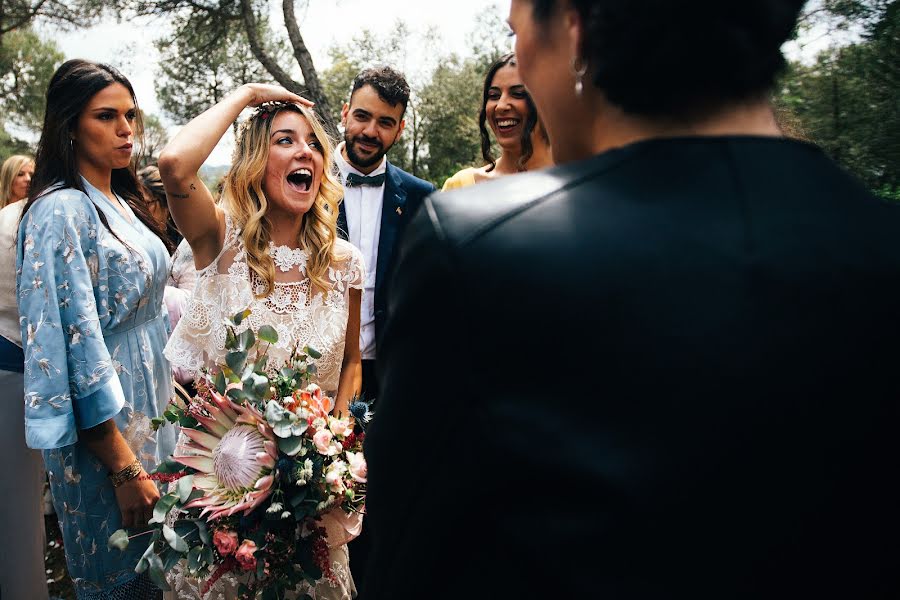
[(94, 328)]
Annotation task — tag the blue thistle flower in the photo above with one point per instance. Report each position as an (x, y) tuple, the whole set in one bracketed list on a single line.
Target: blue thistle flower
[(360, 411)]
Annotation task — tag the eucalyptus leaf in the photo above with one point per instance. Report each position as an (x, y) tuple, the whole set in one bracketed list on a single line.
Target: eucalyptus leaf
[(261, 364), (208, 557), (145, 558), (194, 495), (312, 352), (193, 559), (203, 532), (157, 573), (162, 508), (246, 339), (236, 360), (172, 559), (239, 317), (290, 445), (220, 382), (141, 566), (256, 384), (268, 334), (239, 396), (288, 373), (282, 429), (119, 539), (175, 541), (298, 497), (170, 466), (185, 486)]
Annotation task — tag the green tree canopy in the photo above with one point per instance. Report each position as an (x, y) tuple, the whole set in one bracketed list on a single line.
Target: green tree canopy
[(26, 64), (848, 100)]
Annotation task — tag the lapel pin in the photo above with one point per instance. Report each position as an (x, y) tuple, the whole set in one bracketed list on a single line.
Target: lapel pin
[(399, 211)]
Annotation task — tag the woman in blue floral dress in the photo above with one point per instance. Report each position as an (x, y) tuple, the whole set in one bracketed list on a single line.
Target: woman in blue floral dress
[(90, 292)]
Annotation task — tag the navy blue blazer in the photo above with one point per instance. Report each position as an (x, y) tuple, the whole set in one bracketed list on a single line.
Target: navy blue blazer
[(403, 194)]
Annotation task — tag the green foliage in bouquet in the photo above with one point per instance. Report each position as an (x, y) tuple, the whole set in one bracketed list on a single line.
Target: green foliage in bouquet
[(267, 479)]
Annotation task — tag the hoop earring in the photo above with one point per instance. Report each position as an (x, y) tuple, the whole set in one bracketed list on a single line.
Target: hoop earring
[(579, 69)]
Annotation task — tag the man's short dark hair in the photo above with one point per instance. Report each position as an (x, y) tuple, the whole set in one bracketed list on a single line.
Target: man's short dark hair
[(389, 83), (659, 58)]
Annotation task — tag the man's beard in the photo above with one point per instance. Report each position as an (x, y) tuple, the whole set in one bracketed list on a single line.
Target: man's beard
[(358, 160)]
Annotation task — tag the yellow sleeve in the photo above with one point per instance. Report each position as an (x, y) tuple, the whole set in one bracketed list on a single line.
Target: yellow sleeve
[(464, 178)]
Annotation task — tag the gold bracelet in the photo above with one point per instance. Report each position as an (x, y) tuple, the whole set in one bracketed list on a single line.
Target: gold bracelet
[(126, 474)]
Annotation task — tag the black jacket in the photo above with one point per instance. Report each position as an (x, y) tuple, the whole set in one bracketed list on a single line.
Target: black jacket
[(669, 371)]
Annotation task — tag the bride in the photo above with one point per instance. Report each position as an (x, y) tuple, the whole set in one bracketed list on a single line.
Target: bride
[(271, 246)]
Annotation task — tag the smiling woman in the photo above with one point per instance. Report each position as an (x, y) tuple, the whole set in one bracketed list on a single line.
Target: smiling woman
[(270, 245), (508, 110)]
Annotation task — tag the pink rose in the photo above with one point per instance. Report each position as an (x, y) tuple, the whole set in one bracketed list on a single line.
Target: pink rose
[(358, 468), (322, 440), (245, 555), (334, 481), (340, 427), (225, 541)]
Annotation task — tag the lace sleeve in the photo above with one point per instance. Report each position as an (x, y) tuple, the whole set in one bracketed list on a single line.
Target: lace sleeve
[(199, 338), (354, 265)]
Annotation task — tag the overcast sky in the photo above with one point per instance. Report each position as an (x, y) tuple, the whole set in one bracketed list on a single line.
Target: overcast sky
[(129, 46)]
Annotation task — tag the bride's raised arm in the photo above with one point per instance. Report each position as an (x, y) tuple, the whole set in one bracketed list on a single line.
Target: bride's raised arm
[(192, 205)]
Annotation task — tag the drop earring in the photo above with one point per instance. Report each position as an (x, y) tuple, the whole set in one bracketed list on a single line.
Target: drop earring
[(579, 69)]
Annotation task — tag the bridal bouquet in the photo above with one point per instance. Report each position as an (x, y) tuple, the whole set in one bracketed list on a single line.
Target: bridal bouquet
[(266, 480)]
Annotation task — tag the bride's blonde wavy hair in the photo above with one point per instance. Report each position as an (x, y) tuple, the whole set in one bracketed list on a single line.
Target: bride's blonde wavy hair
[(243, 198)]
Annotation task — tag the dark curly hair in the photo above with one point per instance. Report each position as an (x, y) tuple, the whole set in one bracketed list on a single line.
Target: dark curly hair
[(658, 58), (389, 83), (530, 123)]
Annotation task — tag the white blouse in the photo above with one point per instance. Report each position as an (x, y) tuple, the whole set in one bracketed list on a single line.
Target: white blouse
[(226, 287), (9, 310)]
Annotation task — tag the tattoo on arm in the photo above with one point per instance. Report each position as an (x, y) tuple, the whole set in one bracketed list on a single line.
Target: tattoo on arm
[(181, 196), (193, 187)]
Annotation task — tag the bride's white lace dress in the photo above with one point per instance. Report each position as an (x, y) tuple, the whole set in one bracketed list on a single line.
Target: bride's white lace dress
[(300, 316)]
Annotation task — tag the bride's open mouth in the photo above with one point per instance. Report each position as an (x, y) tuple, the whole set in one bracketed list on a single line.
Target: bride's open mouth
[(300, 180)]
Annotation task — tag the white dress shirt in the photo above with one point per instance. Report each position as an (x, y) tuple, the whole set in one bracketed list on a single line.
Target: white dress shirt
[(362, 205)]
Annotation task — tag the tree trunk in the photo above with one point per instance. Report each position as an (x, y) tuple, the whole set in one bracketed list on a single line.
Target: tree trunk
[(256, 47), (315, 92)]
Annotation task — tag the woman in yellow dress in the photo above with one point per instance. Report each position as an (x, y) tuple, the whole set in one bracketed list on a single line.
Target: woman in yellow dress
[(509, 110)]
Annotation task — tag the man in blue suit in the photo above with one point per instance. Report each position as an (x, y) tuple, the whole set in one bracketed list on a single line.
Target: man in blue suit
[(379, 199)]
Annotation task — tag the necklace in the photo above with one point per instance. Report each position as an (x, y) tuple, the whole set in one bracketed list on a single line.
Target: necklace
[(286, 258)]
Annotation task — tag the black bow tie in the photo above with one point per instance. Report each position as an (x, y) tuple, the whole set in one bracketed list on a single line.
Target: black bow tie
[(354, 180)]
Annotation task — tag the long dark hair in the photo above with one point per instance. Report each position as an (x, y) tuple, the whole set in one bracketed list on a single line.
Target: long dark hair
[(72, 86), (530, 122)]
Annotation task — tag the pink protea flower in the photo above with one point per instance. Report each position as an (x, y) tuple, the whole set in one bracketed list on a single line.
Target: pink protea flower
[(235, 457)]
